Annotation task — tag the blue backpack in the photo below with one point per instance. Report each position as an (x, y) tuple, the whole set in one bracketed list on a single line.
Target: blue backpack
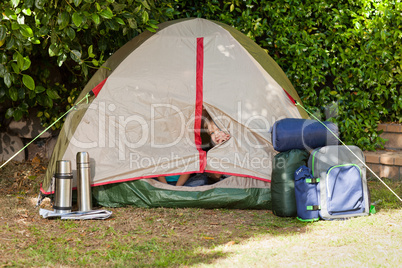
[(333, 186)]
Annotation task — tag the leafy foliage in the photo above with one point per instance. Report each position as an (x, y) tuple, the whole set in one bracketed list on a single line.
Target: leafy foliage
[(343, 57), (49, 49)]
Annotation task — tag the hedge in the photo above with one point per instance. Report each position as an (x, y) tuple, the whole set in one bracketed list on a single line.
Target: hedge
[(49, 49), (343, 57)]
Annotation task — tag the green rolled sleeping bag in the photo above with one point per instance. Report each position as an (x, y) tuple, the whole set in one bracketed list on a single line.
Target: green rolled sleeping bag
[(283, 181)]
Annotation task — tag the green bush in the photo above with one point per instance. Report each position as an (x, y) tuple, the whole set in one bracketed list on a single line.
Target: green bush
[(343, 57), (49, 49)]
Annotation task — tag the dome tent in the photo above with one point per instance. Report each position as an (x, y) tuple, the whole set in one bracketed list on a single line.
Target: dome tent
[(143, 118)]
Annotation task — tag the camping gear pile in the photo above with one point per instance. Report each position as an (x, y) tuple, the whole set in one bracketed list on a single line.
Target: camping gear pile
[(333, 186), (141, 119)]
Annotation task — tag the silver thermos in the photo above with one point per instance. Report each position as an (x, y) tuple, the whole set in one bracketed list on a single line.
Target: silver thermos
[(63, 187), (84, 196)]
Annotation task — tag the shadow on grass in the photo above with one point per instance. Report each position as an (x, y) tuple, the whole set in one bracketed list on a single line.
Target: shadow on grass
[(382, 197)]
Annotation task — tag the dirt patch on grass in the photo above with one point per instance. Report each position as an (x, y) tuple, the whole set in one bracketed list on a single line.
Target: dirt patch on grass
[(23, 178)]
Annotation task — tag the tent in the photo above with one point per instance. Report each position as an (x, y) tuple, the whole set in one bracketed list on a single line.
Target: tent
[(143, 118)]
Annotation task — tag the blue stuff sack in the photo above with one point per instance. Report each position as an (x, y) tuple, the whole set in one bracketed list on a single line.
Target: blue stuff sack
[(306, 193), (304, 134)]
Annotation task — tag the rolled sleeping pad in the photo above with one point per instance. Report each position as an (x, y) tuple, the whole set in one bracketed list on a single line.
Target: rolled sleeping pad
[(295, 133), (283, 198)]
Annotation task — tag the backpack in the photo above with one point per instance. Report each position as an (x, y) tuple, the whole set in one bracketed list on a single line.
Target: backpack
[(337, 179)]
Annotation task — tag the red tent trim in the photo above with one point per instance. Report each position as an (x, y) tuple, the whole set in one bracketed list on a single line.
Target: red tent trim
[(199, 102), (290, 97), (98, 88)]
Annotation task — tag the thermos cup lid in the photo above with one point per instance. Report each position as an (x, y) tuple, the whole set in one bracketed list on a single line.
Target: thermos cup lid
[(63, 167), (82, 157)]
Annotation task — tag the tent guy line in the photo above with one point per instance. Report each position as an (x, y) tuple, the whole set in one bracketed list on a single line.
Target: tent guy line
[(40, 134), (297, 104)]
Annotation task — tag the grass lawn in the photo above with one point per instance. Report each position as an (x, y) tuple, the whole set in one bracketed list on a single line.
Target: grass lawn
[(165, 237)]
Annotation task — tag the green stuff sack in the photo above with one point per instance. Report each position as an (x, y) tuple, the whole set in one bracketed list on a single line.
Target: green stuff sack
[(283, 181)]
